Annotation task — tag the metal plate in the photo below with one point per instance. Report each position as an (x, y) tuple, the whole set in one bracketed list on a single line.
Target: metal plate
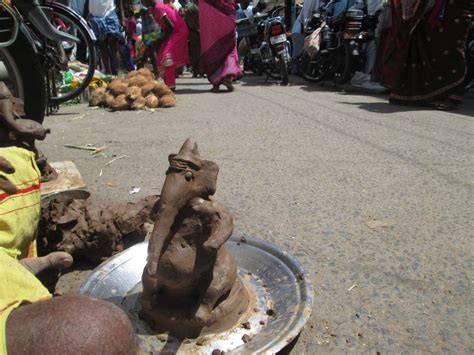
[(284, 298)]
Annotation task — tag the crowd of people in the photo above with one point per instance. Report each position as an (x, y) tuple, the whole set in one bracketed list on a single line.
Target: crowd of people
[(168, 36), (418, 50)]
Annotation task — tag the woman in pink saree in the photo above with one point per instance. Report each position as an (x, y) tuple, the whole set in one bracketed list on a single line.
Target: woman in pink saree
[(173, 52), (219, 57)]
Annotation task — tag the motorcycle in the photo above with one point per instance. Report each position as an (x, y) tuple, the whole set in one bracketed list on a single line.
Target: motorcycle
[(268, 44), (335, 42), (35, 48)]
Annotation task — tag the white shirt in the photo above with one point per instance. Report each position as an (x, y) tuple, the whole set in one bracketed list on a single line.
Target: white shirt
[(101, 8), (177, 5)]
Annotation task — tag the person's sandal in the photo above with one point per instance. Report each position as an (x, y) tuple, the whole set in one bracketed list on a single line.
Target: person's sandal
[(443, 105), (228, 84)]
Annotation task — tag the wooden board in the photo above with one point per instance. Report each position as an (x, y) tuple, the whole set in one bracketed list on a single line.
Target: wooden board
[(69, 182)]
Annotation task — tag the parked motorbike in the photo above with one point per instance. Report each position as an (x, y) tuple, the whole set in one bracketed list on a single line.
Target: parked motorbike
[(336, 37), (268, 45), (35, 47)]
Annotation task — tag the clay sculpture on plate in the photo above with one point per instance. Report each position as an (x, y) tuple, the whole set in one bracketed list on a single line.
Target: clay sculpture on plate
[(190, 282)]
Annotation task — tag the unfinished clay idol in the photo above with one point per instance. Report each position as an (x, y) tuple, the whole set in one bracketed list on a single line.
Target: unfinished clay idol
[(190, 282)]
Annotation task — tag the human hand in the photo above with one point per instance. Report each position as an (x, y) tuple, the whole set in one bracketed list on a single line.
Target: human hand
[(5, 184)]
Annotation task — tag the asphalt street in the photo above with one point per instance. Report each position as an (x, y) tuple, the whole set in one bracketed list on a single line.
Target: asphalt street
[(375, 200)]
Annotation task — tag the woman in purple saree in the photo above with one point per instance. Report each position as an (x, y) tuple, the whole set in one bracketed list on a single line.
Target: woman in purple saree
[(219, 57)]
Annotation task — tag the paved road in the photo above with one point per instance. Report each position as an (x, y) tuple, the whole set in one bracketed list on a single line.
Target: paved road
[(372, 198)]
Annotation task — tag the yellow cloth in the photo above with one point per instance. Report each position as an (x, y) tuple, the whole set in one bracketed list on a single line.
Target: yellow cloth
[(17, 285), (20, 213), (19, 217)]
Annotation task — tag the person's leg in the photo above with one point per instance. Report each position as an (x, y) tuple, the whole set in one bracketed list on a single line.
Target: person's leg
[(127, 54), (170, 77), (371, 56), (153, 61), (104, 54), (70, 325), (55, 260), (81, 52), (114, 52)]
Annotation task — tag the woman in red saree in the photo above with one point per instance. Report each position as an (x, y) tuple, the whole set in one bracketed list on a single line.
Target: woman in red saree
[(219, 57), (423, 52), (173, 52)]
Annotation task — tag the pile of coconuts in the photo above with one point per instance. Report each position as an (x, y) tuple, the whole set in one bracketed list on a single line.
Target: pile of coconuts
[(136, 91)]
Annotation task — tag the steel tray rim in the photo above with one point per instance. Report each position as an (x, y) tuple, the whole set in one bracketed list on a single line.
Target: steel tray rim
[(306, 291)]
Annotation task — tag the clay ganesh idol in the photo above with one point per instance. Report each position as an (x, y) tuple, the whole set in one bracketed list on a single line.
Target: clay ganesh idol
[(190, 282)]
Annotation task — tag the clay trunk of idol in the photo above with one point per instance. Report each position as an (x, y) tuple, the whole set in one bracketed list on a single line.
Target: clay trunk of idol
[(190, 282)]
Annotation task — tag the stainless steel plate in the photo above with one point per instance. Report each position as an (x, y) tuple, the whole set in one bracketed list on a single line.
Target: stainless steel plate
[(284, 298)]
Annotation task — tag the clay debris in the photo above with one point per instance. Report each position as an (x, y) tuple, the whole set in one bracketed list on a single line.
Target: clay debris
[(137, 90), (93, 230)]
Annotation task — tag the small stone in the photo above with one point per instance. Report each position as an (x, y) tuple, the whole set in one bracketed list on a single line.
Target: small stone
[(246, 338), (246, 325), (270, 312), (217, 352), (262, 322), (162, 337), (243, 240)]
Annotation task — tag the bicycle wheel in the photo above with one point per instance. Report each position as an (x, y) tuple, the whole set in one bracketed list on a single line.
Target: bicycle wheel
[(65, 58)]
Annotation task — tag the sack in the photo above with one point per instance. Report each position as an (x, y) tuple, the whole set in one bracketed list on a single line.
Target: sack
[(312, 43)]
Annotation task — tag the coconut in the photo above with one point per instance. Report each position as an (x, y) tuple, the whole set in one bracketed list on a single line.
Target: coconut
[(146, 73), (120, 103), (168, 101), (161, 89), (133, 92), (138, 80), (139, 103), (147, 89), (109, 98), (152, 101), (97, 97), (132, 74), (118, 87)]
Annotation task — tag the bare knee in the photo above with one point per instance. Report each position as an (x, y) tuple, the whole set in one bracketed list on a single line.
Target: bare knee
[(70, 325)]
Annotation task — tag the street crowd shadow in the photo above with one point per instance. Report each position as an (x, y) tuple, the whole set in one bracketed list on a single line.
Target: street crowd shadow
[(195, 83), (465, 109), (180, 91), (252, 80)]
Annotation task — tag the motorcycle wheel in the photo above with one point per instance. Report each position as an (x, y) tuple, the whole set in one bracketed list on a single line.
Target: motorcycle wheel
[(24, 76), (77, 26), (311, 69), (343, 67), (283, 69)]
